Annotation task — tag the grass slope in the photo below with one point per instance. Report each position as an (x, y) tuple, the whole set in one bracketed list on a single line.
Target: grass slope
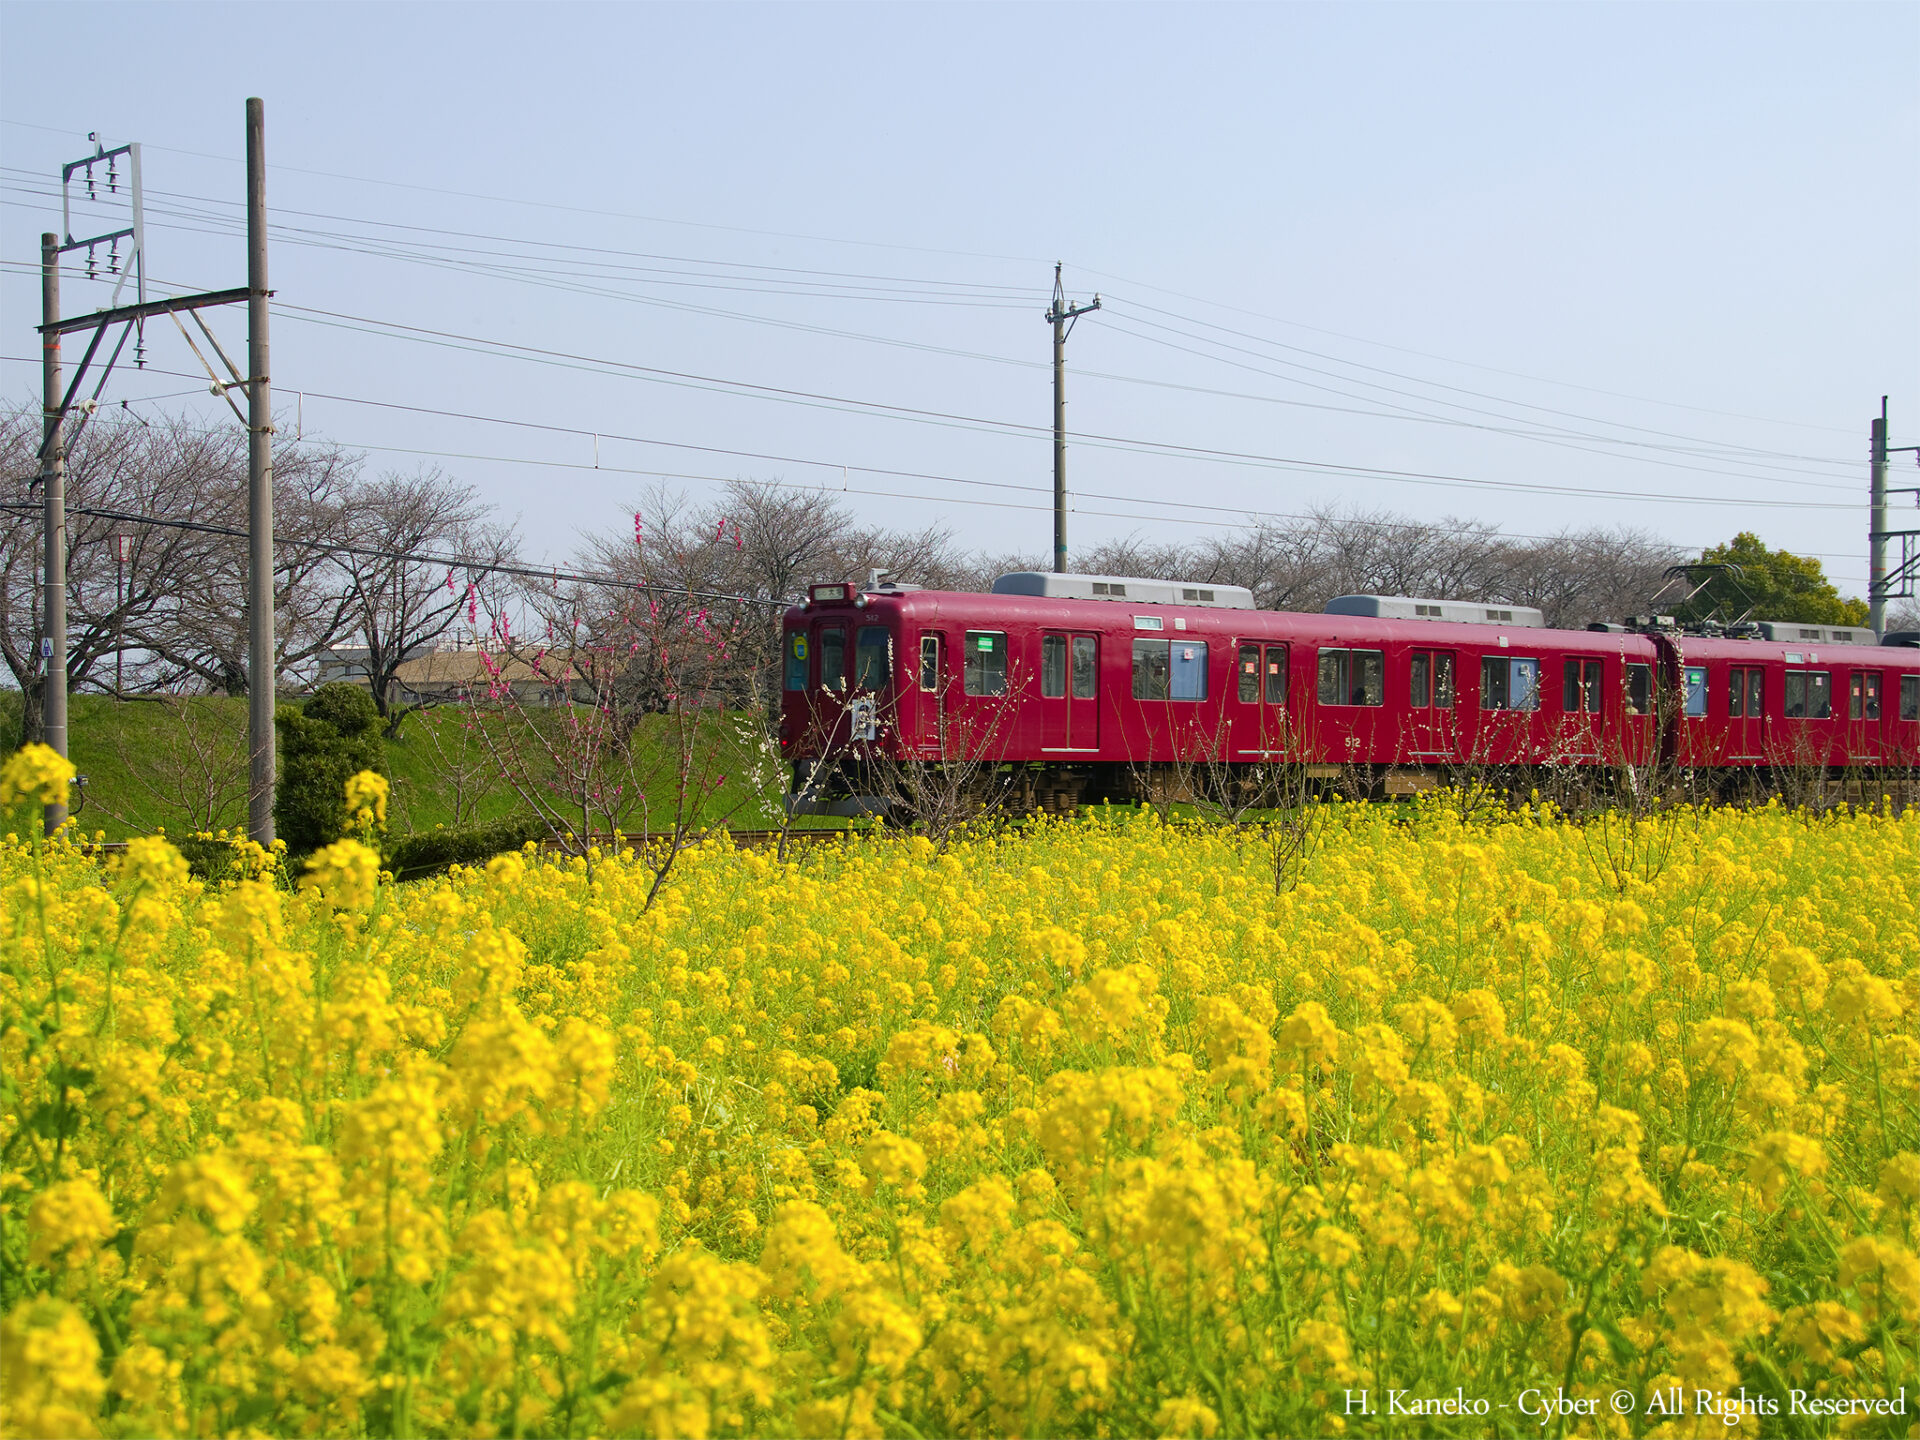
[(180, 765)]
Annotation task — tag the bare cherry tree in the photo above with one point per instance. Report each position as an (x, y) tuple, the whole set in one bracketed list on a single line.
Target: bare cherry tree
[(398, 605)]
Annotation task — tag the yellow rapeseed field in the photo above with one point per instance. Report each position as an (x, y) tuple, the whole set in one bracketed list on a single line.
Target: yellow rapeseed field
[(1074, 1129)]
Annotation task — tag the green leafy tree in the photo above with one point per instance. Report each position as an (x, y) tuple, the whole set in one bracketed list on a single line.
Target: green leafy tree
[(1775, 584), (333, 737)]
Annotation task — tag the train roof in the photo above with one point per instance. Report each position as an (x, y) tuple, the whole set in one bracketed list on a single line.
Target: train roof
[(1462, 612), (1129, 588)]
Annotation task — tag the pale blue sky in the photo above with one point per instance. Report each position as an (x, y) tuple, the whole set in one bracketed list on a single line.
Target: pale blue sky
[(1655, 220)]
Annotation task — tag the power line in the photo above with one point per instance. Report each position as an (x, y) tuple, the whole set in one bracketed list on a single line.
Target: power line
[(1552, 435), (452, 562)]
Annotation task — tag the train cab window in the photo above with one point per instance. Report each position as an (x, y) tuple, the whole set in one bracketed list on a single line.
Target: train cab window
[(1509, 683), (1808, 695), (1169, 670), (1247, 669), (986, 662), (1086, 667), (1863, 695), (833, 658), (872, 659), (1353, 677), (1276, 674), (1420, 680), (797, 660), (1694, 689), (1910, 697), (1053, 667), (1639, 689), (930, 663)]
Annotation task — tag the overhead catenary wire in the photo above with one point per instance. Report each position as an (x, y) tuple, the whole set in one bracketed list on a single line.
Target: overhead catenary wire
[(1242, 514), (470, 564), (1749, 454)]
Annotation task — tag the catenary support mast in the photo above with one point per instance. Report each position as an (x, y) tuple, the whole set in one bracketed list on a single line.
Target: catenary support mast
[(261, 669), (53, 484), (1061, 316)]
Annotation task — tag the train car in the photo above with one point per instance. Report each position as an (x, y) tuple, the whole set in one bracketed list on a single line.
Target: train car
[(1071, 688)]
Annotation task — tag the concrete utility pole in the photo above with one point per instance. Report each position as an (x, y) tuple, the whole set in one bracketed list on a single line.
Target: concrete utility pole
[(1061, 316), (53, 483), (261, 669), (1877, 527)]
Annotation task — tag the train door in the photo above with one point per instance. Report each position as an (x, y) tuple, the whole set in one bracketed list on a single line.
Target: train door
[(1581, 689), (931, 687), (1430, 699), (1746, 709), (1069, 692), (1865, 694), (1258, 717)]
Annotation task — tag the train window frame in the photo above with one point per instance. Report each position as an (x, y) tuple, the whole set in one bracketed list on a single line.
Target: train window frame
[(1910, 697), (1498, 674), (1351, 671), (1813, 686), (1053, 666), (1420, 680), (929, 663), (1864, 688), (832, 640), (867, 677), (1247, 674), (798, 653), (978, 671), (1637, 689), (1276, 674), (1087, 646), (1693, 691), (1159, 675)]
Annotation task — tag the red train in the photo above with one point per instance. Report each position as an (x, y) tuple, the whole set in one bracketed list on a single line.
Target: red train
[(1061, 689)]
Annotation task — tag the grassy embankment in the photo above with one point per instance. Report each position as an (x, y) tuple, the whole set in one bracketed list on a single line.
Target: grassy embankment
[(180, 766)]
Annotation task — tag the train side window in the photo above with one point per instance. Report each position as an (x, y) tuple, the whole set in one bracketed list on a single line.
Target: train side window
[(797, 660), (1694, 686), (1736, 693), (1053, 667), (1756, 692), (1086, 667), (1863, 695), (1353, 677), (1420, 680), (1187, 672), (1809, 695), (1247, 669), (930, 663), (1639, 689), (986, 662), (1509, 684), (1443, 679), (1910, 697), (1570, 687), (1276, 674), (833, 658), (1150, 669), (872, 659), (1592, 688), (1333, 677)]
